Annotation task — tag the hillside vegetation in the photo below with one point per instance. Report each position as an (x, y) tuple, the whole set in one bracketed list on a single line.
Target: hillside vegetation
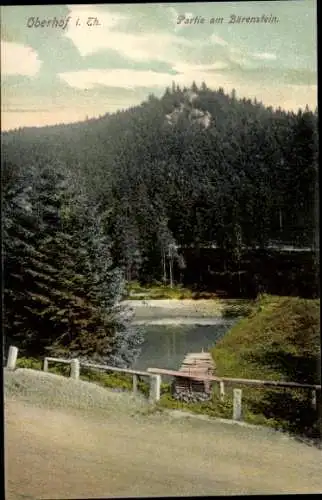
[(280, 340), (179, 174)]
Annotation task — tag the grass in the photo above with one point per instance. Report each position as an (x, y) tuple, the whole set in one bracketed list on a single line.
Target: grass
[(274, 323), (157, 291), (279, 340), (136, 291), (218, 305), (121, 382), (216, 408)]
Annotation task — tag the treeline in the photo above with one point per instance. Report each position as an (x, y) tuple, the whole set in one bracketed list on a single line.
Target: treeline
[(62, 291), (273, 271), (193, 168)]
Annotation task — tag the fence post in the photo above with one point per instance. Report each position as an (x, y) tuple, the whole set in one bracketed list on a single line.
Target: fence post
[(237, 404), (135, 383), (155, 388), (12, 357), (74, 369), (45, 367), (222, 390)]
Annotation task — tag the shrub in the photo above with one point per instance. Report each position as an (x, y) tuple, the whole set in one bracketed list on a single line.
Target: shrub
[(31, 363)]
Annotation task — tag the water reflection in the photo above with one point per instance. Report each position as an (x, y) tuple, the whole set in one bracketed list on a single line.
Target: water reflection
[(165, 346)]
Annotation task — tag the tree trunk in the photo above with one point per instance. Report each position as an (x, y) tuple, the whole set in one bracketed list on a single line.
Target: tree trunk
[(171, 271), (164, 265), (281, 220)]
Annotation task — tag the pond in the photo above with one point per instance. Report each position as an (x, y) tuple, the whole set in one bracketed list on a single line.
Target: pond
[(166, 345)]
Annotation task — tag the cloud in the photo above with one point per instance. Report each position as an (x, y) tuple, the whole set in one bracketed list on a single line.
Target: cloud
[(92, 39), (266, 56), (25, 110), (139, 47), (17, 59), (133, 79), (217, 40), (200, 68), (240, 58), (10, 121), (174, 15), (122, 78), (286, 96)]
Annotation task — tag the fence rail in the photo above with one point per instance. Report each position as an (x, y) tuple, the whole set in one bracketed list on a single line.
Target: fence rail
[(76, 365), (237, 401), (241, 381), (154, 375), (114, 369)]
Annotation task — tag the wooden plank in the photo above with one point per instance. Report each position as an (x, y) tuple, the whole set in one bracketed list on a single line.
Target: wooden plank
[(196, 360), (59, 360), (242, 381), (201, 365), (114, 369), (200, 355), (99, 367), (174, 373)]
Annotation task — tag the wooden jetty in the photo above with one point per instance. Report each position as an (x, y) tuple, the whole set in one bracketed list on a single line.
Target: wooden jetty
[(197, 365)]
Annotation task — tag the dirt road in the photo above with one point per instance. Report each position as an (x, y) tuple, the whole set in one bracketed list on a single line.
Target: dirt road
[(78, 454)]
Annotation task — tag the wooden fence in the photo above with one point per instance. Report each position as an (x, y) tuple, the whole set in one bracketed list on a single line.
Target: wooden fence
[(237, 400), (154, 375), (76, 365)]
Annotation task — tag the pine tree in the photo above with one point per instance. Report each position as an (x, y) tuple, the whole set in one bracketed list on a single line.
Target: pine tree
[(204, 87), (194, 87), (19, 230), (63, 291), (126, 244), (108, 336), (42, 259)]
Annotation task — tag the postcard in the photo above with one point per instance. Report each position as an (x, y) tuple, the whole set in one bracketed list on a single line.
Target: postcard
[(161, 292)]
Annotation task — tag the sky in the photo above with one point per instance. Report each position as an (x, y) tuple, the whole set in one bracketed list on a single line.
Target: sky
[(61, 74)]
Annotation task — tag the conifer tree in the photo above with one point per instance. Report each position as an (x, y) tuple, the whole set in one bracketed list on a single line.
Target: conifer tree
[(62, 290), (105, 333), (19, 230)]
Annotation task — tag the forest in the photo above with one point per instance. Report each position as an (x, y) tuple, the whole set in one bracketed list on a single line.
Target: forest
[(196, 188)]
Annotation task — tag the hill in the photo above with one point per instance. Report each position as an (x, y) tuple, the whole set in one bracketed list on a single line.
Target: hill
[(280, 340), (193, 168)]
